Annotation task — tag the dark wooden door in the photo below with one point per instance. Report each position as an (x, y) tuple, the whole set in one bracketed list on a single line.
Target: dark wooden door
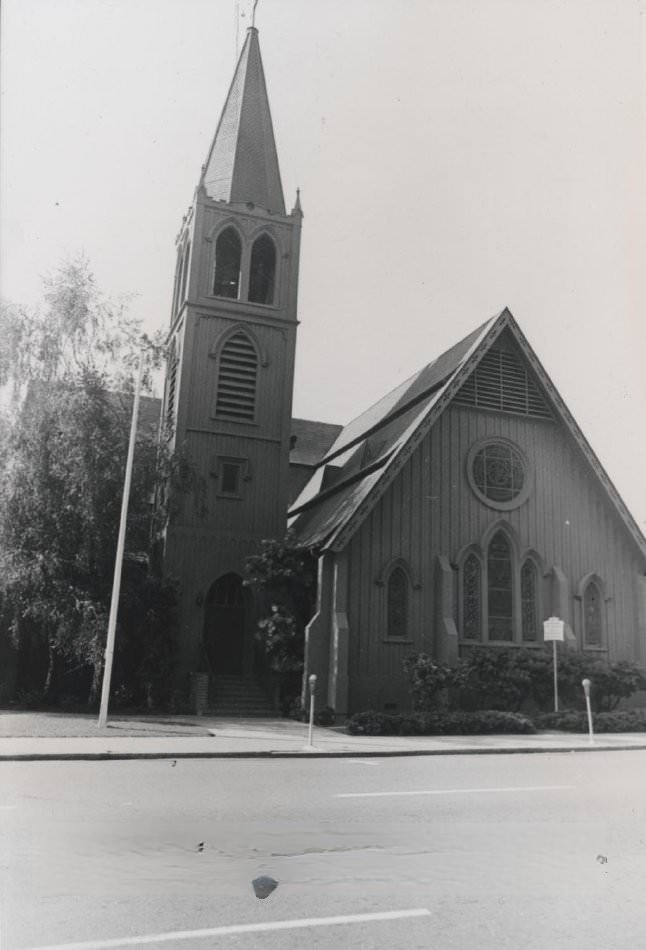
[(224, 625)]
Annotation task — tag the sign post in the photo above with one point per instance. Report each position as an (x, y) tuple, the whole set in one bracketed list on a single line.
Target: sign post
[(586, 689), (554, 630)]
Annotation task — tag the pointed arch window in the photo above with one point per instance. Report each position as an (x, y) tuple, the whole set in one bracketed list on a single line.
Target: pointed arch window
[(592, 614), (500, 592), (237, 379), (262, 273), (397, 624), (471, 598), (176, 283), (500, 598), (228, 254), (185, 262), (529, 600)]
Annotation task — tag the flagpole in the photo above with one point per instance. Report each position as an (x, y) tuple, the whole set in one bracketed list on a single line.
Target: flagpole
[(116, 584)]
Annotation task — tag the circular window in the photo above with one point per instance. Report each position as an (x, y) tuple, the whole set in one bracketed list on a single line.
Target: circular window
[(498, 473)]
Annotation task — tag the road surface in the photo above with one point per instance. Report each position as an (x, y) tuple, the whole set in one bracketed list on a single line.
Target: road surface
[(503, 851)]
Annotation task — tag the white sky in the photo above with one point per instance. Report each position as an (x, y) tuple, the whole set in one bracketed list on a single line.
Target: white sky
[(454, 157)]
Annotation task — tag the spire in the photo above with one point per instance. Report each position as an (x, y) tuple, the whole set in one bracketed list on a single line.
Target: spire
[(242, 165)]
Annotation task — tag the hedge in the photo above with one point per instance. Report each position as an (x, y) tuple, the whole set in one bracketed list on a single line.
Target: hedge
[(485, 722), (631, 720)]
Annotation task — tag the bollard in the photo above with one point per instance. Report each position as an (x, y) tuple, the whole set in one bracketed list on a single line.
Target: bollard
[(312, 685), (586, 689)]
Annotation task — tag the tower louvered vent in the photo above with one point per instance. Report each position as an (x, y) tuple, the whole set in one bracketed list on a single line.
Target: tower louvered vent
[(500, 381), (236, 398)]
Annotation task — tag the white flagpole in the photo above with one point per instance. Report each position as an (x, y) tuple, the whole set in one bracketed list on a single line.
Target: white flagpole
[(116, 584)]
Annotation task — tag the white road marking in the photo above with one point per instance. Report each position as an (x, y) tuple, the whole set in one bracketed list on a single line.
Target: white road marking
[(458, 791), (361, 761), (8, 807), (241, 929)]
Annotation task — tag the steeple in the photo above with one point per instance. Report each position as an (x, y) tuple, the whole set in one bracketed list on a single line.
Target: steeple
[(242, 165)]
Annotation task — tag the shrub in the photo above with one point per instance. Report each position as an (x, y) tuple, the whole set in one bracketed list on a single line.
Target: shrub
[(486, 722), (326, 716), (496, 678), (633, 720), (427, 680), (292, 708), (509, 678), (373, 723), (612, 684)]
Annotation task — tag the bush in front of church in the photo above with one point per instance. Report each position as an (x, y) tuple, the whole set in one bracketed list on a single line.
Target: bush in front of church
[(428, 680), (628, 720), (485, 722), (511, 679)]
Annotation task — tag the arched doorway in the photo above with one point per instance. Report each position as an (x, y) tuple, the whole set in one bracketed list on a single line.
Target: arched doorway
[(224, 625)]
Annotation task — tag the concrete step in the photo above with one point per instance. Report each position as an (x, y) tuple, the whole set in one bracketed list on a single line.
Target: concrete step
[(236, 696)]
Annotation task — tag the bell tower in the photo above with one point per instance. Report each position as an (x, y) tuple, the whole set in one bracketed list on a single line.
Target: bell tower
[(228, 394)]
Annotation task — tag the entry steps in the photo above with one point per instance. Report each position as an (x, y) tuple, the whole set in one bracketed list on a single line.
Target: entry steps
[(238, 697)]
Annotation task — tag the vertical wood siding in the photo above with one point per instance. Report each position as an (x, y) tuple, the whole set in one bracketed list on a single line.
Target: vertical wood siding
[(430, 510)]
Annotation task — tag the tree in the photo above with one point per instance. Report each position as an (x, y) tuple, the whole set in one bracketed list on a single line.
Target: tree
[(68, 369), (283, 578)]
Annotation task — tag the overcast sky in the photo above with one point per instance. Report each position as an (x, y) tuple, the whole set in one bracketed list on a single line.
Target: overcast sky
[(454, 157)]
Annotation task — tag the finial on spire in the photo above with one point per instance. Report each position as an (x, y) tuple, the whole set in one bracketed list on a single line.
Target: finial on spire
[(253, 14), (297, 204)]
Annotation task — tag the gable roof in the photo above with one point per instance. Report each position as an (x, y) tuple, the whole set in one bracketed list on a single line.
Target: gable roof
[(242, 164), (373, 448), (311, 440)]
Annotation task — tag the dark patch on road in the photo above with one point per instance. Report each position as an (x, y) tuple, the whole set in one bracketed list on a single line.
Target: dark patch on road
[(264, 886)]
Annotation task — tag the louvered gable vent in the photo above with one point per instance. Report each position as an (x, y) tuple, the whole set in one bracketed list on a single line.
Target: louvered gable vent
[(238, 370), (500, 381)]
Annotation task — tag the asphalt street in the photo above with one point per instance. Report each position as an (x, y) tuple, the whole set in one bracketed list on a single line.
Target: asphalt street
[(521, 851)]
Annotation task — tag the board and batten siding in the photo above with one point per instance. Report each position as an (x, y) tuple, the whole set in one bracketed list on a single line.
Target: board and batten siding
[(431, 510)]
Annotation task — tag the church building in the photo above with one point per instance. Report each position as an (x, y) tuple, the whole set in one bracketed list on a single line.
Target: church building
[(463, 508)]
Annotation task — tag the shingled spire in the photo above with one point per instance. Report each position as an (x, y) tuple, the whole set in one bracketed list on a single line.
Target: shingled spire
[(242, 166)]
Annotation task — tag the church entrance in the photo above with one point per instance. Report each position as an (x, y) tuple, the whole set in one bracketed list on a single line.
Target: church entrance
[(224, 625)]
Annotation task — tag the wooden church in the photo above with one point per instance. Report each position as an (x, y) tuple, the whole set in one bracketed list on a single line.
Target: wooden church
[(465, 507)]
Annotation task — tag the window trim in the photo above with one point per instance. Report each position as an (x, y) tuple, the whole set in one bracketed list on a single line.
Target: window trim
[(274, 297), (528, 483), (383, 581), (518, 559), (244, 474), (216, 354), (584, 583), (213, 238)]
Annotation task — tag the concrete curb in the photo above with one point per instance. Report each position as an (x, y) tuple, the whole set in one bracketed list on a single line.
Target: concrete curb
[(282, 754)]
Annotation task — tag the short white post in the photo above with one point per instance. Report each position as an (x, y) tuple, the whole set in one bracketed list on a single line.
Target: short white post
[(556, 678), (312, 685), (586, 689)]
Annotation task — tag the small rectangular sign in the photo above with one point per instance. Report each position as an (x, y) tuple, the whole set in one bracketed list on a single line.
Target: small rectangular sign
[(553, 629)]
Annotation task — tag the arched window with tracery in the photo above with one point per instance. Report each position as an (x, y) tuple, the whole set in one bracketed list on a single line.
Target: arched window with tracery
[(262, 272), (228, 255), (397, 622), (472, 598), (237, 379), (592, 614), (529, 600), (500, 599)]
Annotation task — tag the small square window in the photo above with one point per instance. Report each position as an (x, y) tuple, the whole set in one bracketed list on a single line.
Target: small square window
[(230, 478)]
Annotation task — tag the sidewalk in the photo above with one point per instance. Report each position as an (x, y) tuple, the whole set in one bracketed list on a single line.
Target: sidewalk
[(58, 736)]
